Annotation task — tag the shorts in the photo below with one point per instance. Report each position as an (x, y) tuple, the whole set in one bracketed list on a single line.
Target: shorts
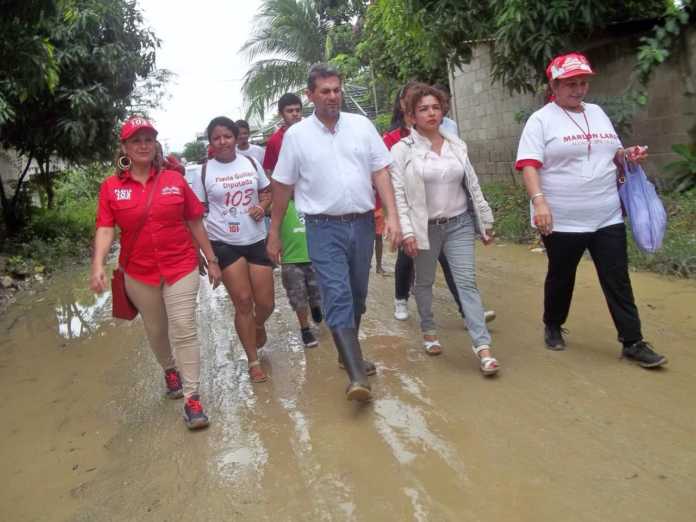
[(301, 287), (379, 221), (255, 254)]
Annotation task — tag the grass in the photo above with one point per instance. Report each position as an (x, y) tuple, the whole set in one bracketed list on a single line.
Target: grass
[(677, 256)]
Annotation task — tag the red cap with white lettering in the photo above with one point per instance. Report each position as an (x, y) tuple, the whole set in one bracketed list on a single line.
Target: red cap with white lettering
[(133, 125), (567, 66)]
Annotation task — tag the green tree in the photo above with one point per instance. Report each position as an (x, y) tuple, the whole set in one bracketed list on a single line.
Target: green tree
[(194, 151), (288, 37), (27, 61), (101, 50), (400, 44), (339, 12)]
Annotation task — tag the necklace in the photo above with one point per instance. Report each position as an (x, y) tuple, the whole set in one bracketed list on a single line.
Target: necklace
[(588, 134)]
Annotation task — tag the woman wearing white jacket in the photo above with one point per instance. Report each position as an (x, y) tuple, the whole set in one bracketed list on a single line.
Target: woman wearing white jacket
[(441, 207)]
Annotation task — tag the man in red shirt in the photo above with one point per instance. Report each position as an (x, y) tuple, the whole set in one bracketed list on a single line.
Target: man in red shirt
[(290, 110)]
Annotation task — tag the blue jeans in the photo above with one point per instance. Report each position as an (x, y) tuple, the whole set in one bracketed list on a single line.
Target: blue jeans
[(456, 239), (341, 252)]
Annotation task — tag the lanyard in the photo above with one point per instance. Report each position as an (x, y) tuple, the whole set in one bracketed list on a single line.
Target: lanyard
[(588, 135)]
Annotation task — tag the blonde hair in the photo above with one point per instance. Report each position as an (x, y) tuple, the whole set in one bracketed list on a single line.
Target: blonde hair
[(156, 163)]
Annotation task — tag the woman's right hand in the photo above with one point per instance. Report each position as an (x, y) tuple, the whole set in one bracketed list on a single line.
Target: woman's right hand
[(97, 280), (543, 219), (410, 246), (214, 274), (202, 264)]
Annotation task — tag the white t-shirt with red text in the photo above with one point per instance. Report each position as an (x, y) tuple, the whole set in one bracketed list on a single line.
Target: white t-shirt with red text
[(579, 185), (232, 190)]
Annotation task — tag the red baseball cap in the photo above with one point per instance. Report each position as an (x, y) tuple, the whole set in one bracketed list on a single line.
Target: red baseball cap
[(567, 66), (133, 125)]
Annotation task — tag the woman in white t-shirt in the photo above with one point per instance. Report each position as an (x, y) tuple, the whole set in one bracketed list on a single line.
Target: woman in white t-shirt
[(237, 193), (569, 154)]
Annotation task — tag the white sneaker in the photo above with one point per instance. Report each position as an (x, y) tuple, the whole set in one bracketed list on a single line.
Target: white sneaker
[(488, 316), (401, 309)]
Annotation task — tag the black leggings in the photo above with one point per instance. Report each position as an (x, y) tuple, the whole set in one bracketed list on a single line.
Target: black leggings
[(607, 247), (404, 274)]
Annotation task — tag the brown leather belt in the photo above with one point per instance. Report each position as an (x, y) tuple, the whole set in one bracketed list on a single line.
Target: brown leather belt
[(344, 218)]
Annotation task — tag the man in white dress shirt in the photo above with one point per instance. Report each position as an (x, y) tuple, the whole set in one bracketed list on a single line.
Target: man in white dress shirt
[(332, 160)]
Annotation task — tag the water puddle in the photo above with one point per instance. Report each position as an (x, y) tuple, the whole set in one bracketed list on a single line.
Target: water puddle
[(77, 319)]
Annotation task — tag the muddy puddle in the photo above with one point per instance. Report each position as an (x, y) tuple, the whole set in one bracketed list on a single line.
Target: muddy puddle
[(579, 435)]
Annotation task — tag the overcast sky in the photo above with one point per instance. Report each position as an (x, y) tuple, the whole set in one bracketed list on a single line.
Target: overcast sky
[(200, 44)]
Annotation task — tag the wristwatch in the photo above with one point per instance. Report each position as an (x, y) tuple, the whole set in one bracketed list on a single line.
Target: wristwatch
[(214, 259)]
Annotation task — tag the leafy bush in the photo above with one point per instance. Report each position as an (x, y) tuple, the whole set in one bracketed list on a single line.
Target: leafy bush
[(683, 171), (81, 184), (511, 211), (65, 231), (74, 222), (73, 216)]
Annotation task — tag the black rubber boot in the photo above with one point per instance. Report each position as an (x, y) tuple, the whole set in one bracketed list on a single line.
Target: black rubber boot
[(370, 368), (348, 347)]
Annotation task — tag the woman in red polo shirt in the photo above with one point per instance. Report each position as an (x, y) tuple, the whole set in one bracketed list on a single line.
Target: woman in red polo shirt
[(159, 218)]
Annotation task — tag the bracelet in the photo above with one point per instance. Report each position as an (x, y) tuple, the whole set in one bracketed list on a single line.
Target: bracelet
[(214, 259), (534, 196)]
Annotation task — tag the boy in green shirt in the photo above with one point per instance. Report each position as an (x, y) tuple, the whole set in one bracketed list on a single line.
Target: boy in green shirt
[(299, 279), (297, 274)]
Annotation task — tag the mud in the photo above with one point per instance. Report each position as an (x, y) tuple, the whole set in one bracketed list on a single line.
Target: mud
[(580, 435)]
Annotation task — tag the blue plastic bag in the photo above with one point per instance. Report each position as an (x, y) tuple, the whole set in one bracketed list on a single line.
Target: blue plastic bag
[(645, 210)]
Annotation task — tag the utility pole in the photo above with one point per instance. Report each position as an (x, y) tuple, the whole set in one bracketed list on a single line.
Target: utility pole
[(374, 88)]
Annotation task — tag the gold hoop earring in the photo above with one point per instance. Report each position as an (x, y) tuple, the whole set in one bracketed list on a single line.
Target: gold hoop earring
[(123, 163)]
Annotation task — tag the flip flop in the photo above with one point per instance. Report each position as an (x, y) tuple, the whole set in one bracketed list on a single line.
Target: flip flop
[(256, 373)]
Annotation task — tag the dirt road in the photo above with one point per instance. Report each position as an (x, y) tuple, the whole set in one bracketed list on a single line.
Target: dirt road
[(580, 435)]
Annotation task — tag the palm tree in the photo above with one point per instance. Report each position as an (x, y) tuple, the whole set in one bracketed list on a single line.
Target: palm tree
[(288, 37)]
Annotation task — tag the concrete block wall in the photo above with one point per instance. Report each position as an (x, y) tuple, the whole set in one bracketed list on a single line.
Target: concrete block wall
[(670, 115), (485, 112)]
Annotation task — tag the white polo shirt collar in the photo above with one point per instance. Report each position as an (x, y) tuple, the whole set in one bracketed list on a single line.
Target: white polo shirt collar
[(323, 127), (332, 171)]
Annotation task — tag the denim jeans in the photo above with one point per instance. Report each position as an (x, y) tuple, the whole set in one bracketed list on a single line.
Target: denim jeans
[(403, 277), (456, 239), (341, 252)]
